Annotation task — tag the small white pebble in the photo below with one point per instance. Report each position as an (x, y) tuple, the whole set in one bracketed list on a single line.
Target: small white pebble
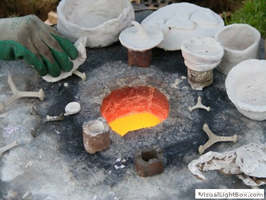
[(122, 166)]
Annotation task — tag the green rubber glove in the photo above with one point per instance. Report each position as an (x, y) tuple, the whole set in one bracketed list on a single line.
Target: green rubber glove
[(40, 45)]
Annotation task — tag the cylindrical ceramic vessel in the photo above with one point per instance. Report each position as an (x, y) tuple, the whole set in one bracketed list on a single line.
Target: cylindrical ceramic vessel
[(96, 135), (240, 42)]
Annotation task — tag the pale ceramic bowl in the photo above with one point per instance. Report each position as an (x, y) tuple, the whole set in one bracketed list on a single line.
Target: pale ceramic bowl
[(100, 21), (202, 54), (246, 88)]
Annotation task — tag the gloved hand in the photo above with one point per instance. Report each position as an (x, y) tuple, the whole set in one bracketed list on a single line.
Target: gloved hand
[(42, 46)]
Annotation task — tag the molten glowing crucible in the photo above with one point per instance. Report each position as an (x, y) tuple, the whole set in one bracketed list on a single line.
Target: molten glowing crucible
[(133, 108)]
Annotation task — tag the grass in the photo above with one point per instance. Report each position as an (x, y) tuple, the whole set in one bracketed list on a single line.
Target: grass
[(252, 12)]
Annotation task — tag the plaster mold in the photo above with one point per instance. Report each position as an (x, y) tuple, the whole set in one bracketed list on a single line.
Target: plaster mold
[(240, 42), (100, 21), (214, 138), (247, 162), (80, 46), (7, 147), (181, 21), (245, 87), (18, 94), (201, 57), (139, 40), (199, 105)]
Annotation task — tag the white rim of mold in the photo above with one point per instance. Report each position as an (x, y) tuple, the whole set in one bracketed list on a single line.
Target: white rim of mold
[(246, 68), (240, 28)]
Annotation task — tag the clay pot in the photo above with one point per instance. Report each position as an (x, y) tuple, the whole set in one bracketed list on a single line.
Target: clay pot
[(100, 21), (246, 88), (240, 42)]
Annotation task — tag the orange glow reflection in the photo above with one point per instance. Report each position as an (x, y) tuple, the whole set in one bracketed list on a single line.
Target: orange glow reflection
[(133, 108)]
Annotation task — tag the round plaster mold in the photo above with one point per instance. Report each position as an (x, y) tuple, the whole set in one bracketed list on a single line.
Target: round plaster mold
[(246, 88), (181, 21), (100, 21), (240, 42), (139, 40)]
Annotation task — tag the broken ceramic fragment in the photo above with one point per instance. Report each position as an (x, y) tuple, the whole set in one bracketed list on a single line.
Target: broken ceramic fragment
[(246, 88), (7, 147), (100, 21), (181, 21), (80, 46), (214, 138), (18, 94), (139, 40), (199, 105), (201, 57), (70, 109), (96, 135), (247, 162), (240, 42)]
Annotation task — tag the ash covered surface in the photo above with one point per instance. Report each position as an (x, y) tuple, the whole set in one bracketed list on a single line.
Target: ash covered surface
[(55, 165)]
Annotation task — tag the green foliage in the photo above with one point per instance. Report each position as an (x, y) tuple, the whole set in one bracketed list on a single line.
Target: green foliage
[(253, 12)]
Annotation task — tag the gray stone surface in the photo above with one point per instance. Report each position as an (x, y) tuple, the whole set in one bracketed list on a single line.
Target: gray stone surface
[(54, 165)]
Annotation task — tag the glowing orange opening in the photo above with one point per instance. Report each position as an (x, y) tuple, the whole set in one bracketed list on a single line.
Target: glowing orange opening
[(133, 108)]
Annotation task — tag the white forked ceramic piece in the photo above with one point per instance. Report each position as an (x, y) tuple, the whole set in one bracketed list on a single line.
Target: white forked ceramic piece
[(240, 42), (100, 21), (18, 94), (202, 54), (181, 21), (199, 105), (246, 88), (80, 46), (140, 38)]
